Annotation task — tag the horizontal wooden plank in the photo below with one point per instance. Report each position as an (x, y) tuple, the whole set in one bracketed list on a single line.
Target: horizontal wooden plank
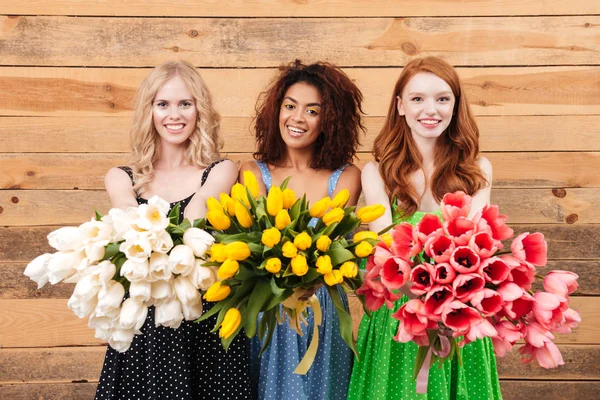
[(260, 42), (48, 391), (82, 134), (86, 170), (553, 390), (110, 91), (531, 206), (307, 8)]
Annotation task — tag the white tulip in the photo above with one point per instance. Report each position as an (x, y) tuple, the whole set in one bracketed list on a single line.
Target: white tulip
[(153, 216), (120, 339), (94, 252), (162, 290), (102, 334), (87, 287), (159, 267), (121, 221), (168, 313), (108, 320), (103, 272), (133, 314), (37, 270), (63, 264), (140, 291), (202, 277), (162, 242), (136, 248), (135, 271), (199, 240), (67, 238), (181, 259), (81, 306), (110, 297), (96, 232), (192, 312), (185, 290)]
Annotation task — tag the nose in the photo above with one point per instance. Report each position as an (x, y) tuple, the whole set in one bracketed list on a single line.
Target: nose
[(174, 112), (298, 114), (430, 107)]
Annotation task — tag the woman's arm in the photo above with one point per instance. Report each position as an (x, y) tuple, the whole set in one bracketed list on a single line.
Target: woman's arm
[(482, 198), (350, 179), (220, 180), (119, 188), (374, 190)]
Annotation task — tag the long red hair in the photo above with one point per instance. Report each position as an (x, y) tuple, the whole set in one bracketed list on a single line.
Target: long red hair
[(456, 151)]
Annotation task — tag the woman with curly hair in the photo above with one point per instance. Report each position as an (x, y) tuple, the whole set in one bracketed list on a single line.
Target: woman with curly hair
[(307, 127), (176, 143), (428, 146)]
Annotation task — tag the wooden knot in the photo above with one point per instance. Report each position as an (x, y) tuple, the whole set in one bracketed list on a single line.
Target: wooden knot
[(14, 199), (193, 33), (572, 218), (409, 48), (30, 173), (560, 193), (175, 49), (1, 210)]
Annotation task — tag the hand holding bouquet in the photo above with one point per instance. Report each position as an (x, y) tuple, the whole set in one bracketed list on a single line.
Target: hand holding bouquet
[(278, 250), (141, 251), (465, 287)]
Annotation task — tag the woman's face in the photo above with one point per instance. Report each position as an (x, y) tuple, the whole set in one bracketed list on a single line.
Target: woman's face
[(174, 111), (299, 115), (427, 104)]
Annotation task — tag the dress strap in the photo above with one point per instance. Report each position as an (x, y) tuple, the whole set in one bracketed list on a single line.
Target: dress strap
[(129, 172), (207, 171), (333, 179), (265, 174)]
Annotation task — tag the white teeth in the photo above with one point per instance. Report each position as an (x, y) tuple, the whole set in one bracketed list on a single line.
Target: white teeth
[(296, 130), (428, 122), (175, 127)]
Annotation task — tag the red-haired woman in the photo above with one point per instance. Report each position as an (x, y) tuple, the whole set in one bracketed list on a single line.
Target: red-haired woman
[(429, 146), (307, 126)]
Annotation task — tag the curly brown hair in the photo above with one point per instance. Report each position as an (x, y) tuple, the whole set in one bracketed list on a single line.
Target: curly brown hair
[(340, 121), (456, 151)]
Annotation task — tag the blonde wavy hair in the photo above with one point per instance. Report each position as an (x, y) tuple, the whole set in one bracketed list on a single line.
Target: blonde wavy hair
[(203, 145)]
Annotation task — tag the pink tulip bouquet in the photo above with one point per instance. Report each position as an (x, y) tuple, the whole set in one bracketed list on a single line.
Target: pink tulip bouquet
[(466, 288)]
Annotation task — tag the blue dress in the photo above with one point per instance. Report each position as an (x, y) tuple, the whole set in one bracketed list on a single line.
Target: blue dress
[(329, 375)]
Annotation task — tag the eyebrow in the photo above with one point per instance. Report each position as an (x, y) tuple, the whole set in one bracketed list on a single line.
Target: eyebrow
[(438, 94), (167, 101), (308, 105)]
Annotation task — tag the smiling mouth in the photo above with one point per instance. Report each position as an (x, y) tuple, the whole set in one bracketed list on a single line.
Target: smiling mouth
[(174, 127), (430, 122), (294, 131)]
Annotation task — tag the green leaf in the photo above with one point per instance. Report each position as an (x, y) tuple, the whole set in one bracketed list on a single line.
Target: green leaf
[(384, 230), (214, 309), (419, 360), (275, 301), (256, 248), (111, 250), (339, 256), (174, 214), (271, 317), (98, 215), (199, 223), (311, 276), (297, 208), (262, 327), (344, 317), (284, 184), (185, 225), (248, 237), (276, 290), (258, 298)]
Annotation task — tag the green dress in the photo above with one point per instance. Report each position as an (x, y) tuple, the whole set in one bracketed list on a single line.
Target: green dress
[(385, 369)]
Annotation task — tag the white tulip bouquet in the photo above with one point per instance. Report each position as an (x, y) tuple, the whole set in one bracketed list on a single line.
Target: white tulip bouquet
[(142, 251)]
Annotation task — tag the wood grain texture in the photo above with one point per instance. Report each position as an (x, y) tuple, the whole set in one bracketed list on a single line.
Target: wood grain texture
[(107, 91), (83, 134), (86, 170), (258, 42), (554, 390), (305, 8), (49, 391)]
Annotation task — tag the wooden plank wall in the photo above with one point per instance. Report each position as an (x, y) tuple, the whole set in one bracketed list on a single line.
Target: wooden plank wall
[(69, 70)]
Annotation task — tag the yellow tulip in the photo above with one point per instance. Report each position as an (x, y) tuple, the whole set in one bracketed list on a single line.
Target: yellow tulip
[(324, 264), (320, 207), (289, 250), (334, 277), (335, 215), (323, 243), (370, 213), (238, 193), (364, 249), (227, 203), (274, 201), (387, 239), (289, 198), (273, 265), (362, 235), (218, 252), (251, 183), (213, 204), (242, 215), (340, 199), (238, 251), (282, 219), (299, 265), (217, 292), (232, 321), (271, 237), (218, 220), (303, 241), (228, 269), (349, 269)]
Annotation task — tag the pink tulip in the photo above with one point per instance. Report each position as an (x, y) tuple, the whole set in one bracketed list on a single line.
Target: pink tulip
[(518, 308), (488, 301), (548, 309), (436, 300), (523, 274), (413, 319), (510, 291), (439, 247), (422, 277), (466, 285), (484, 245), (444, 273), (495, 270), (373, 292), (429, 224), (508, 334), (539, 344), (562, 283), (464, 260), (455, 205), (405, 241), (496, 222), (460, 230), (479, 331), (395, 273), (459, 317), (572, 320), (531, 248)]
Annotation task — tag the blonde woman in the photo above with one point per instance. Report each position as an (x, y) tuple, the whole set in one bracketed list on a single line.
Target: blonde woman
[(175, 141)]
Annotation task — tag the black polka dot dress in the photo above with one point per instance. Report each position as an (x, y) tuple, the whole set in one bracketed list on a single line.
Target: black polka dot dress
[(184, 363)]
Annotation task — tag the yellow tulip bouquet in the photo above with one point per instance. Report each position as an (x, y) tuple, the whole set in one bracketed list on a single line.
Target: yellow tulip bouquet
[(277, 250)]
